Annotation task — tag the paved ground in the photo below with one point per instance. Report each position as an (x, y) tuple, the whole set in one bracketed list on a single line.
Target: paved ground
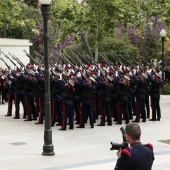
[(79, 149)]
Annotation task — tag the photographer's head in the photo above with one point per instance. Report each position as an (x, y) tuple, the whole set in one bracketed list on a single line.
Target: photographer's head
[(133, 132)]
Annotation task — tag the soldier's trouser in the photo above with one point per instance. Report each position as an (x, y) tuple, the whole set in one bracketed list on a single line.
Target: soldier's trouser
[(11, 98), (20, 97), (156, 111), (140, 107)]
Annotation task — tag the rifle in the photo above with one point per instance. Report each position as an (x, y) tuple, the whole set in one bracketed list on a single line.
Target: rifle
[(90, 58), (37, 63), (146, 62), (32, 59), (63, 59), (16, 59), (84, 57), (26, 53), (9, 59), (53, 59), (39, 56), (80, 62), (67, 60), (110, 64), (5, 63), (72, 61), (19, 61), (126, 60), (135, 63), (73, 64), (95, 63), (117, 59)]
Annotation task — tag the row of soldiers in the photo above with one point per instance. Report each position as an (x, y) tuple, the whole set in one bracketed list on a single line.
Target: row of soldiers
[(4, 85), (88, 92)]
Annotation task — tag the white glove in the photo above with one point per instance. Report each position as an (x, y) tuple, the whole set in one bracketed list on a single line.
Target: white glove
[(130, 73), (78, 74), (72, 71), (98, 74), (61, 77), (116, 73)]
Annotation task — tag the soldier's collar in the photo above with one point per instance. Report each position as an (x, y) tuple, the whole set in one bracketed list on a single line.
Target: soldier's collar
[(135, 144)]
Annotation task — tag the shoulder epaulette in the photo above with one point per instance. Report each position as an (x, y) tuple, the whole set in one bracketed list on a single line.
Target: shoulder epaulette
[(149, 145), (127, 152)]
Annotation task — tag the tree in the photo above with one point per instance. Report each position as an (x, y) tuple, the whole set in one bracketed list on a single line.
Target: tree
[(66, 19), (100, 19), (10, 15), (18, 20)]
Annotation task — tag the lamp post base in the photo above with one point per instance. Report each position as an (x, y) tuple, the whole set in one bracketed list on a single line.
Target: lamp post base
[(48, 150)]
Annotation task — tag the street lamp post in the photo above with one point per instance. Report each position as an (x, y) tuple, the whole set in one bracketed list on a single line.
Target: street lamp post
[(48, 148), (163, 35)]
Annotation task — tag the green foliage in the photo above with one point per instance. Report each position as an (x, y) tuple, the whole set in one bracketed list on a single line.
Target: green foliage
[(10, 12), (31, 3), (108, 46), (100, 18), (166, 88), (97, 18), (68, 17), (116, 45), (19, 20)]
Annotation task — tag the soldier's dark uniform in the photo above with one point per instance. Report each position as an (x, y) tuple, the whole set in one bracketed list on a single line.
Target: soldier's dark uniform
[(77, 100), (147, 97), (20, 94), (56, 91), (131, 98), (138, 157), (156, 85), (3, 85), (124, 89), (97, 98), (11, 94), (30, 98), (106, 89), (141, 91), (67, 104), (87, 103), (40, 80), (114, 99), (167, 74)]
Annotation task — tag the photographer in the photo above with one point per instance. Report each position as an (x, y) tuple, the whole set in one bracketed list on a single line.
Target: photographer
[(137, 156)]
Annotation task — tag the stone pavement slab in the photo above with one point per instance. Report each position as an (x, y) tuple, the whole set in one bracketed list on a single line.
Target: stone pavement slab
[(79, 149)]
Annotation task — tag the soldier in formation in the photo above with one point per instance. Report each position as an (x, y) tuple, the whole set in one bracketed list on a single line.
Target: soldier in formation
[(85, 93)]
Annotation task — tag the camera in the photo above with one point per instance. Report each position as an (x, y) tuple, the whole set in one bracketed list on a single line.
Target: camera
[(123, 145), (117, 146)]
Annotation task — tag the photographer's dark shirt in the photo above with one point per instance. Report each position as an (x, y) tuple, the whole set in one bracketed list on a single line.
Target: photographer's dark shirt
[(139, 157)]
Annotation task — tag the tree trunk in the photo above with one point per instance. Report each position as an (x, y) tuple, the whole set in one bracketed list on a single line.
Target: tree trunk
[(96, 43), (57, 36), (85, 41), (96, 51), (4, 30)]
